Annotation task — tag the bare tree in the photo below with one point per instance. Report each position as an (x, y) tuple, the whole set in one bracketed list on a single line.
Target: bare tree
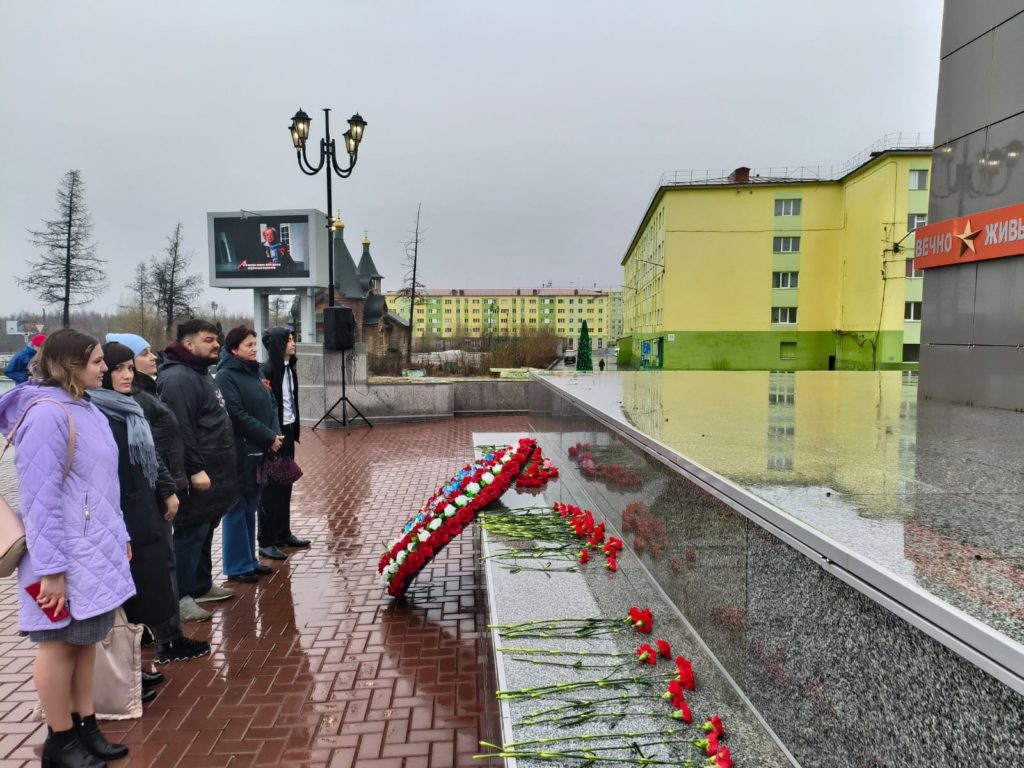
[(174, 290), (138, 311), (412, 286), (67, 271), (277, 310)]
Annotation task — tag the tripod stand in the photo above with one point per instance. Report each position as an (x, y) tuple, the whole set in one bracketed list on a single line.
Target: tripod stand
[(343, 401)]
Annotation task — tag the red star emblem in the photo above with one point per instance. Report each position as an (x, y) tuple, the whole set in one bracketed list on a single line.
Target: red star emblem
[(966, 238)]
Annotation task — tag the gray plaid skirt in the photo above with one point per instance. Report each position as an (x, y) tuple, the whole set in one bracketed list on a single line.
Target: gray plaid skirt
[(78, 632)]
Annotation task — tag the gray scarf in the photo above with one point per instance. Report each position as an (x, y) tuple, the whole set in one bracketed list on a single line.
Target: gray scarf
[(123, 408)]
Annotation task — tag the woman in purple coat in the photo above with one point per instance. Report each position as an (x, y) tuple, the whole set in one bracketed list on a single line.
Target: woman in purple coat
[(78, 547)]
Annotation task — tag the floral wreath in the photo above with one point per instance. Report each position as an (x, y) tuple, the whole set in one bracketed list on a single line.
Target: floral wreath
[(452, 507)]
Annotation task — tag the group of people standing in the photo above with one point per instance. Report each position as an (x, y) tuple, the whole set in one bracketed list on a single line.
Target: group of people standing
[(125, 472)]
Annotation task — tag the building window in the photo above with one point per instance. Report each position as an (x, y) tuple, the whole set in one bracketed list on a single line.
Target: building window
[(785, 279), (787, 350), (915, 220), (911, 353), (785, 244), (912, 270), (912, 310), (780, 462), (781, 431), (919, 180), (784, 315), (789, 207), (781, 394)]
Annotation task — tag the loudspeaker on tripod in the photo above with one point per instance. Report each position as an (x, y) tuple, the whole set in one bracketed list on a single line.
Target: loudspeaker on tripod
[(339, 328)]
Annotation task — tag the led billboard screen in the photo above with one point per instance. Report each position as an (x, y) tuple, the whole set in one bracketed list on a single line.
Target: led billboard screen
[(267, 249)]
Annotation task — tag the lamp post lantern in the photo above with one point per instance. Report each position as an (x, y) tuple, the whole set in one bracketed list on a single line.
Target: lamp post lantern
[(299, 130)]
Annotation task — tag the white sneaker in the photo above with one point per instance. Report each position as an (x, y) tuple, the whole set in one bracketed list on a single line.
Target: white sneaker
[(190, 611), (216, 593)]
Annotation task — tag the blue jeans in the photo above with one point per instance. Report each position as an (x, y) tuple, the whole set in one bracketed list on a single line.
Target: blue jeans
[(239, 526), (193, 558)]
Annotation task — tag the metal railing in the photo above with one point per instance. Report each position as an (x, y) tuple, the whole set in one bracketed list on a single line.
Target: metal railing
[(775, 175)]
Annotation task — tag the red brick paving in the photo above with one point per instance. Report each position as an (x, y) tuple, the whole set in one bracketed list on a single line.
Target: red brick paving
[(315, 665)]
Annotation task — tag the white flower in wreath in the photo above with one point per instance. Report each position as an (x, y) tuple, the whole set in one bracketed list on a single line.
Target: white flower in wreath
[(487, 478), (461, 500), (496, 469), (413, 545), (399, 559), (450, 510), (473, 488), (435, 524), (423, 535)]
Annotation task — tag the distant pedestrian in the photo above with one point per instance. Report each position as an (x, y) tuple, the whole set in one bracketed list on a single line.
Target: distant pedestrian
[(191, 393), (601, 365), (17, 370)]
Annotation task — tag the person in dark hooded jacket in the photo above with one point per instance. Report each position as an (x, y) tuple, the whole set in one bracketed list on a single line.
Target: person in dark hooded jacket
[(254, 417), (275, 508), (191, 393)]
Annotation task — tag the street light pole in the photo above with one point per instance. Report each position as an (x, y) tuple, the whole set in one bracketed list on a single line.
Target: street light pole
[(299, 130)]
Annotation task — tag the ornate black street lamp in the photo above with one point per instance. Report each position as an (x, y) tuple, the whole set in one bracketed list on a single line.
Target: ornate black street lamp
[(299, 130)]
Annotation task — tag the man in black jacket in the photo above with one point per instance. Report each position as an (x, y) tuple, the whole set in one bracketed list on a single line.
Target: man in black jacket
[(188, 389), (275, 509)]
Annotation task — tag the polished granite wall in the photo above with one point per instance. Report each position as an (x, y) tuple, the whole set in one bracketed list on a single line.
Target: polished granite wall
[(973, 325), (840, 679)]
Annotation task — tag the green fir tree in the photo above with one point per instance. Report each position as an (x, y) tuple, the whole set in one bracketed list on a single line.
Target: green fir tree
[(584, 362)]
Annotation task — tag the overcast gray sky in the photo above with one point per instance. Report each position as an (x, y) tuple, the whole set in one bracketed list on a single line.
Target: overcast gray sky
[(533, 132)]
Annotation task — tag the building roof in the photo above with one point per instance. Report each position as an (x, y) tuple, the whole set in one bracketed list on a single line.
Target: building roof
[(398, 319), (373, 309), (510, 292), (346, 279), (890, 144), (367, 269)]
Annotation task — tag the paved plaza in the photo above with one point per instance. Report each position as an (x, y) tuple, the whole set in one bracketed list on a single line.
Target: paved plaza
[(315, 665)]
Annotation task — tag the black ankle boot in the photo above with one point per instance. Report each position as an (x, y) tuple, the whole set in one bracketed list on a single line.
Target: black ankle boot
[(91, 735), (64, 749)]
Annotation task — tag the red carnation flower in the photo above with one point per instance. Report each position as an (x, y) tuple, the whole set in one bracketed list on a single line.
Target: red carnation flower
[(613, 546), (714, 724), (643, 619), (664, 649), (611, 564), (647, 654), (723, 759), (684, 673), (584, 556), (683, 712)]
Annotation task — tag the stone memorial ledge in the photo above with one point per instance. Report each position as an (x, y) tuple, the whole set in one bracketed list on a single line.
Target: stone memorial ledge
[(593, 591)]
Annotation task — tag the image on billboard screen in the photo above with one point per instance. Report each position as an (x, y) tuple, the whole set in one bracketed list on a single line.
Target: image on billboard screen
[(262, 246)]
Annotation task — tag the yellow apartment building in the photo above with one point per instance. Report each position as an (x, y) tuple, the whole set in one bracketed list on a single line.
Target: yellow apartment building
[(502, 312), (781, 269)]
